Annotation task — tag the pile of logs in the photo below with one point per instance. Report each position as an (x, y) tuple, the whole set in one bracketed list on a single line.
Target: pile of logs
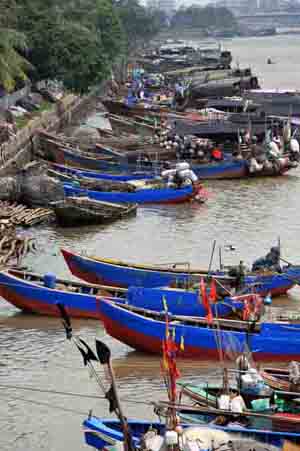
[(13, 246), (12, 214)]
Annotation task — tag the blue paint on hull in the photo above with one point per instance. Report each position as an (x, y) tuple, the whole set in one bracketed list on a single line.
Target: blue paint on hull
[(143, 196), (275, 341), (85, 303), (101, 433), (97, 271), (100, 175)]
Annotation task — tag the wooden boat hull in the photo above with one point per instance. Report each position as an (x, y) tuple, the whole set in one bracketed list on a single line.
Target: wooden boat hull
[(222, 170), (120, 108), (74, 212), (278, 341), (103, 434), (229, 169), (27, 292), (226, 169), (118, 273), (69, 157), (278, 379), (79, 172), (142, 196)]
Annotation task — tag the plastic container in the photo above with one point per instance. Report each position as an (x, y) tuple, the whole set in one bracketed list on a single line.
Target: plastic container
[(50, 280), (259, 405), (294, 145), (224, 402), (171, 438)]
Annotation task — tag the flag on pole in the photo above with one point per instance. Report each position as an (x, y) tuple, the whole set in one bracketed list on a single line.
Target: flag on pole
[(213, 291), (205, 301)]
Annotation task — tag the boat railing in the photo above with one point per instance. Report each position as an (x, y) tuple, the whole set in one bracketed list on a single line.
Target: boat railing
[(174, 265)]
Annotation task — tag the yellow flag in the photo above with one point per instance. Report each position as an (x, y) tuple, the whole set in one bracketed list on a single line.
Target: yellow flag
[(181, 343)]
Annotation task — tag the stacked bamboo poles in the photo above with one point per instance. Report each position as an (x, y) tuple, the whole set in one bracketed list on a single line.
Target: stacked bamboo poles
[(19, 215), (13, 246)]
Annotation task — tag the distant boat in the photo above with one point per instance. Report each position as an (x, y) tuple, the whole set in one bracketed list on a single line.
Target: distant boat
[(270, 61)]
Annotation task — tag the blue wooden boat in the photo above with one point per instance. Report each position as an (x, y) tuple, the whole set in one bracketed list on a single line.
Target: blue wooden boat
[(106, 434), (145, 332), (140, 196), (119, 273), (40, 294), (223, 170), (77, 172), (227, 169), (68, 156)]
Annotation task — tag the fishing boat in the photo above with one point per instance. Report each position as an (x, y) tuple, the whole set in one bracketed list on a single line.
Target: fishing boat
[(73, 157), (79, 173), (144, 331), (102, 434), (78, 211), (222, 170), (282, 378), (270, 392), (119, 273), (40, 294), (119, 107), (134, 434), (147, 195), (206, 171), (207, 394)]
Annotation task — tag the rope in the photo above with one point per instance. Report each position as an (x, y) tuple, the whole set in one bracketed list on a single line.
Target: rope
[(72, 394), (43, 404)]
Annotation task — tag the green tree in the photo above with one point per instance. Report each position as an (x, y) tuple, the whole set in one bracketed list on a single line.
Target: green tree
[(75, 41), (13, 66), (139, 23)]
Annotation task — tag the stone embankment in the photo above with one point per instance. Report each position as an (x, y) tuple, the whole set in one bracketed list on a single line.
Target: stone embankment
[(18, 151)]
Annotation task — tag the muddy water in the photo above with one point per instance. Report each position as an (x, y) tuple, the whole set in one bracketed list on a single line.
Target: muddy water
[(33, 351)]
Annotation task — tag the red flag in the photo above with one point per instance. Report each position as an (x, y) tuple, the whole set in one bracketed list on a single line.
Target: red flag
[(169, 366), (205, 301), (213, 291)]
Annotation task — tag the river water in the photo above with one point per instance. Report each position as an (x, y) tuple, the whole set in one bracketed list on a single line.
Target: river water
[(249, 214)]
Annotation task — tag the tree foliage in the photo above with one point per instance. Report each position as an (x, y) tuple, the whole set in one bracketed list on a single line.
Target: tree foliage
[(13, 66), (75, 41), (139, 23)]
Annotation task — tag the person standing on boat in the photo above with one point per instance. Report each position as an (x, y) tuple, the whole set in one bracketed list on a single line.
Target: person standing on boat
[(271, 261)]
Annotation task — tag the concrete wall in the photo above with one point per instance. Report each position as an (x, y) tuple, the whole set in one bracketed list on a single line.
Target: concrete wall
[(18, 151)]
